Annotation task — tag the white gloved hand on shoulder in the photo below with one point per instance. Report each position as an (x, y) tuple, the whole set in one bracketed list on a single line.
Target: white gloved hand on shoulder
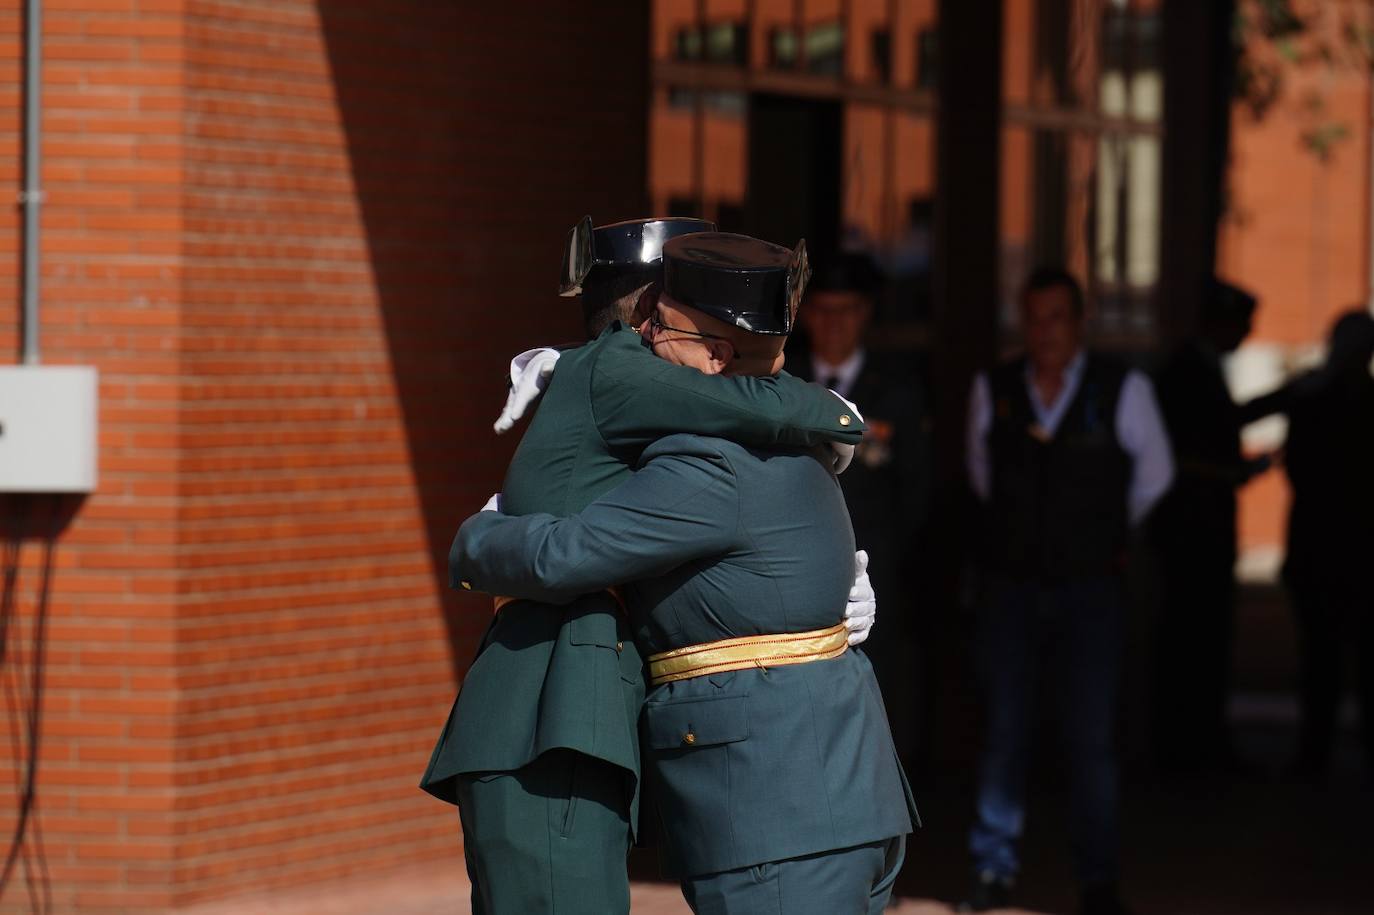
[(529, 376)]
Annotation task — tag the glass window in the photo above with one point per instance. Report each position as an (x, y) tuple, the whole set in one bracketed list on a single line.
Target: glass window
[(825, 48), (1083, 99), (783, 118), (927, 61), (880, 50), (784, 48), (728, 43)]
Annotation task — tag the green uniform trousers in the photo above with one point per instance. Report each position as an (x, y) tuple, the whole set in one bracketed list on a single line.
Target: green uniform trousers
[(847, 881), (550, 837)]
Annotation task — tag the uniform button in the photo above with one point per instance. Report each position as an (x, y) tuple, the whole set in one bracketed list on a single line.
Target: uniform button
[(689, 737), (619, 646), (467, 585), (845, 419)]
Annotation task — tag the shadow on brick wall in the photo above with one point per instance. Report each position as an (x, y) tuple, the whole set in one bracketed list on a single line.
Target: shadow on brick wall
[(477, 135)]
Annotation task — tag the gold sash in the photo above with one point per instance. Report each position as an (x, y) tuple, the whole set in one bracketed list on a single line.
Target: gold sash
[(748, 651)]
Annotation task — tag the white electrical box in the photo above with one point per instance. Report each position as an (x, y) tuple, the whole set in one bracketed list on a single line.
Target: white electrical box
[(47, 428)]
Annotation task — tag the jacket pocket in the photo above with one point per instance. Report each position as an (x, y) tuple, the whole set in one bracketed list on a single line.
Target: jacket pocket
[(596, 626), (688, 723)]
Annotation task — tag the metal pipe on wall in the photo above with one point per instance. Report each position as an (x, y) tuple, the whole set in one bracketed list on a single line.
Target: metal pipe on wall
[(32, 196)]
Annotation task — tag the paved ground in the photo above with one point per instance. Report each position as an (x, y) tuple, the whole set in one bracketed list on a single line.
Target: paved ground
[(1255, 845), (1250, 846), (425, 894)]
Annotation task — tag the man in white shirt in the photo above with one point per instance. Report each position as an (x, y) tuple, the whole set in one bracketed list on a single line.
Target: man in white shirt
[(1067, 453)]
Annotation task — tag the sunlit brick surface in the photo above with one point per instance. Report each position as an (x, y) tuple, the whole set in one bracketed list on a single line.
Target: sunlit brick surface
[(299, 240)]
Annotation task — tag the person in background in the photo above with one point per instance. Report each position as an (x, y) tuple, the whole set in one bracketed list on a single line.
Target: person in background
[(1194, 532), (1329, 458), (1067, 454), (887, 485)]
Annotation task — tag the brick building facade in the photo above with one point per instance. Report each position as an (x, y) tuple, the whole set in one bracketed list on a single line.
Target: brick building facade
[(1082, 173), (298, 239)]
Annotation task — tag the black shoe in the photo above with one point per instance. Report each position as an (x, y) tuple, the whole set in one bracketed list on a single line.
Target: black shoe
[(989, 891), (1102, 899)]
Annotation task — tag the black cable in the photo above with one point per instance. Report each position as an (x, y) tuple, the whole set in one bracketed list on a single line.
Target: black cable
[(7, 594), (14, 703), (7, 605), (37, 664), (39, 675), (13, 539)]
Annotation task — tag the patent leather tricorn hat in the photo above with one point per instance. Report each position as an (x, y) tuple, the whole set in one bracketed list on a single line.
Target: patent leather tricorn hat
[(623, 247), (747, 282), (847, 271)]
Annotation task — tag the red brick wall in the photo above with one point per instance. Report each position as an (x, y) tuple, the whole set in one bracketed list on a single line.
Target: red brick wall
[(112, 276), (1297, 232), (299, 240)]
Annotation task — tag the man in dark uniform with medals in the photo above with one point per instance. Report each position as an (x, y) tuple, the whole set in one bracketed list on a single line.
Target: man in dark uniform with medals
[(773, 768), (540, 751), (1067, 452), (887, 487)]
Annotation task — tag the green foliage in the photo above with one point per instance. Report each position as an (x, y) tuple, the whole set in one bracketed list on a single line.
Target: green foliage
[(1322, 139), (1273, 40)]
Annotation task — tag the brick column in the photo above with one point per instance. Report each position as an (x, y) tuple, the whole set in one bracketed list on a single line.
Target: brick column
[(300, 240)]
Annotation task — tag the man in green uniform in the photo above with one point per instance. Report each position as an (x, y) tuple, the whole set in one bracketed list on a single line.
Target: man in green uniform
[(773, 766), (540, 750)]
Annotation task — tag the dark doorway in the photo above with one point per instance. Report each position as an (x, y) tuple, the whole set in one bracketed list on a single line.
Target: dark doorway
[(794, 172)]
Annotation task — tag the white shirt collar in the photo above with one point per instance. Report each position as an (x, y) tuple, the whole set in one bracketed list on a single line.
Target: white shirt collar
[(847, 371), (1050, 415)]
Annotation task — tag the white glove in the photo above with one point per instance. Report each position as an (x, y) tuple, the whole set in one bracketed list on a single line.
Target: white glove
[(529, 376), (493, 504), (844, 453), (862, 610)]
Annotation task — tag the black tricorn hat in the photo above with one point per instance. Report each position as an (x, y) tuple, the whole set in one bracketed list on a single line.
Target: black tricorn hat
[(632, 245), (744, 281), (847, 271)]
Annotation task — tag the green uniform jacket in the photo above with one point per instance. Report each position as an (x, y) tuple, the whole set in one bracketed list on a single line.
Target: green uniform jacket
[(718, 541), (570, 676)]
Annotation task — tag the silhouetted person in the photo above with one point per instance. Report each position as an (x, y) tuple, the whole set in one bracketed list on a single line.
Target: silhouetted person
[(1068, 452), (1329, 457), (887, 486), (1195, 534)]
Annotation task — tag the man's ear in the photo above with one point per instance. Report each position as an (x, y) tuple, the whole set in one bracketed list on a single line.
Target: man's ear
[(722, 352), (648, 301)]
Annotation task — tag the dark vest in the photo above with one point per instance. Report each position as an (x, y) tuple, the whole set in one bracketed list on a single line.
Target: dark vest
[(1058, 509)]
